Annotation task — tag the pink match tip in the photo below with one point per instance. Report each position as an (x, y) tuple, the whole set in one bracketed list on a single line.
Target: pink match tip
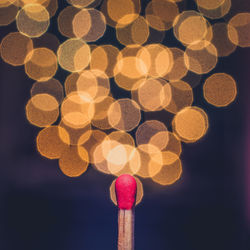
[(125, 187)]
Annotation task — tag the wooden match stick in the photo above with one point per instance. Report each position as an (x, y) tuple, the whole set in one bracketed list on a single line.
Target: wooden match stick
[(125, 188)]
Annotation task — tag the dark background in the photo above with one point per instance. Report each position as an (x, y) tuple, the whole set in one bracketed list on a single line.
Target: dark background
[(206, 209)]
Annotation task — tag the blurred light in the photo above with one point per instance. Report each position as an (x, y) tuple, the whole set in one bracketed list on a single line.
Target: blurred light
[(16, 49), (169, 173), (52, 87), (33, 20), (124, 114), (221, 41), (220, 89), (190, 124), (218, 12), (161, 14), (74, 55), (94, 24), (201, 58), (52, 141), (42, 64), (179, 68), (137, 32), (104, 58), (47, 40), (77, 136), (80, 3), (182, 96), (42, 114), (148, 129), (74, 161), (115, 14), (154, 94), (238, 30), (7, 14)]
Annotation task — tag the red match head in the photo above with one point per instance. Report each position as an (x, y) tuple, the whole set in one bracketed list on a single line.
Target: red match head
[(125, 187)]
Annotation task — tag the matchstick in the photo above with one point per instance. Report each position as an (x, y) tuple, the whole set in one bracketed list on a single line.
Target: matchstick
[(125, 187)]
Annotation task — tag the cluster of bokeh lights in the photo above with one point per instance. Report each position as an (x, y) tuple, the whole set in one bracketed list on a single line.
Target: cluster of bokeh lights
[(82, 123)]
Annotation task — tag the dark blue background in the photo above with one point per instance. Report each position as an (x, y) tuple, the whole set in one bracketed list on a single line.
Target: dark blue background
[(40, 208)]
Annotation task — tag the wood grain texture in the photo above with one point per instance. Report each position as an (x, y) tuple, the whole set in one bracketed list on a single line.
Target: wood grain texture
[(126, 229)]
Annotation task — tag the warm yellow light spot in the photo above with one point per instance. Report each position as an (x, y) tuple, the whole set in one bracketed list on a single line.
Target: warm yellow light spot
[(117, 13), (190, 124), (139, 192), (80, 3), (100, 118), (212, 4), (52, 141), (74, 161), (87, 84), (47, 40), (169, 174), (182, 96), (33, 20), (218, 12), (80, 30), (151, 160), (104, 58), (190, 27), (122, 137), (220, 89), (94, 24), (65, 20), (156, 59), (51, 87), (174, 144), (96, 137), (221, 41), (192, 30), (77, 110), (154, 94), (136, 32), (74, 55), (148, 129), (124, 114), (160, 139), (7, 14), (15, 48), (40, 118), (77, 136), (179, 69), (42, 64), (238, 29), (161, 14), (45, 102), (201, 59)]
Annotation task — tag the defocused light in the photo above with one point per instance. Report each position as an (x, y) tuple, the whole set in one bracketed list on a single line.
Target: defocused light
[(182, 96), (7, 14), (169, 173), (52, 87), (221, 9), (124, 114), (190, 124), (74, 55), (220, 89), (52, 141), (16, 49), (238, 29), (147, 129), (42, 64), (74, 161), (220, 40), (33, 20)]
